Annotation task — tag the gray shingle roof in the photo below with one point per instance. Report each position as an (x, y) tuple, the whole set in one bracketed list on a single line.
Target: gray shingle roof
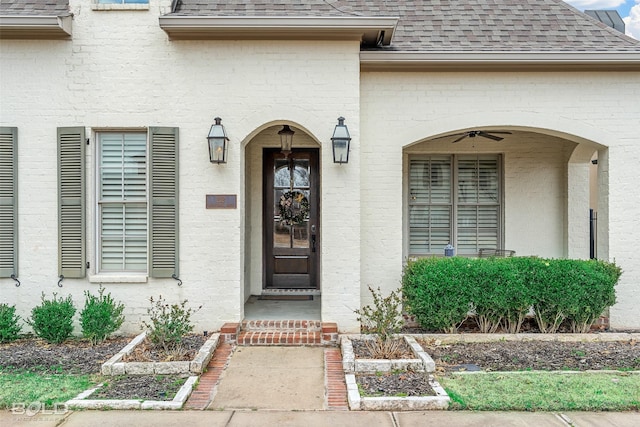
[(34, 7), (449, 25)]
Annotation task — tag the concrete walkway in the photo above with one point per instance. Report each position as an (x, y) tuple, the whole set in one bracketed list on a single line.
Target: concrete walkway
[(260, 418)]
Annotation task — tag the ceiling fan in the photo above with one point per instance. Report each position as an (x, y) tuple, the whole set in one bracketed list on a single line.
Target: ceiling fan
[(473, 133)]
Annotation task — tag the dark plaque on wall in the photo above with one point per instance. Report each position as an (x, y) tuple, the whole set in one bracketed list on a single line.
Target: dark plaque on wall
[(222, 201)]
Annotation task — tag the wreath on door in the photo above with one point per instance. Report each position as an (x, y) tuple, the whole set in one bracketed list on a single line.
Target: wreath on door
[(294, 208)]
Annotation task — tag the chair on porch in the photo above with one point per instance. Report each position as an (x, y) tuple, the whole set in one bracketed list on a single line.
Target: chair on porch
[(500, 253)]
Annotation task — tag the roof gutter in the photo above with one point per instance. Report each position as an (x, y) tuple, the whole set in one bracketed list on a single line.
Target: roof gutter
[(500, 61), (376, 31), (35, 27)]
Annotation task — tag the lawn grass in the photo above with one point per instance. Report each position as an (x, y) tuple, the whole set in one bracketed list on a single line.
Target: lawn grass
[(25, 387), (543, 391)]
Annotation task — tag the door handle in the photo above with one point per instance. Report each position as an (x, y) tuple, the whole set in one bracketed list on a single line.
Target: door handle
[(313, 238)]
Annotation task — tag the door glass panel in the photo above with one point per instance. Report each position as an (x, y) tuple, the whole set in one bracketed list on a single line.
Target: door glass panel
[(301, 173), (291, 203), (281, 235), (282, 176), (301, 235)]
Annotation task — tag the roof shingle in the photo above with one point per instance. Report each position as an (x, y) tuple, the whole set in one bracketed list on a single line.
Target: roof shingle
[(449, 25), (34, 7)]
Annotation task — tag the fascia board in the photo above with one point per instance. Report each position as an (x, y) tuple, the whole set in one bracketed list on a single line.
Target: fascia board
[(279, 27), (500, 61), (35, 27)]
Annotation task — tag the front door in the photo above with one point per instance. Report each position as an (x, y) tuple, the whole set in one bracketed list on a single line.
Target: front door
[(291, 219)]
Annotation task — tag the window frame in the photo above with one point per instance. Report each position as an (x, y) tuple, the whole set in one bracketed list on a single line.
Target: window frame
[(455, 203), (99, 202)]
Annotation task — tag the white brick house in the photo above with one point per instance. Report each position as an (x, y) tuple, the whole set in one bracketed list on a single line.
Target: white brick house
[(105, 109)]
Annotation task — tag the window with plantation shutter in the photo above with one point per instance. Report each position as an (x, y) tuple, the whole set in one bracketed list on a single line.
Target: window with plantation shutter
[(454, 199), (138, 202), (8, 201), (122, 202), (164, 201), (71, 202)]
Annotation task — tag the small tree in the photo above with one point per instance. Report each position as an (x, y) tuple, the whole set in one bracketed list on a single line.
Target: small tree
[(168, 324), (101, 316), (53, 319), (383, 319)]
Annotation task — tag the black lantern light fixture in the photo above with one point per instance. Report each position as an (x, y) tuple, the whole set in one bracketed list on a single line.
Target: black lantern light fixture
[(340, 141), (217, 142), (286, 140)]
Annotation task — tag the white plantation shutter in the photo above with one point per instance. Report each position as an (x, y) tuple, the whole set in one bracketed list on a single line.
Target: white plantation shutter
[(454, 199), (71, 202), (123, 202), (164, 201), (478, 210), (429, 204), (8, 201)]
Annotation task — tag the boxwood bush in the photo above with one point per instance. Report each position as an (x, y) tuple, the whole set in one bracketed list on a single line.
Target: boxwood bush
[(9, 323), (432, 292), (499, 292)]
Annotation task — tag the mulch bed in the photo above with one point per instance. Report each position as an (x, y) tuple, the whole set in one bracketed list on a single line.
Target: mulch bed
[(74, 356), (535, 355), (144, 387), (146, 352), (362, 351), (395, 384)]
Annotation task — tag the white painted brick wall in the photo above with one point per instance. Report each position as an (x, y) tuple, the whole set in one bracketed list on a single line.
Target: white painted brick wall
[(120, 70), (561, 109)]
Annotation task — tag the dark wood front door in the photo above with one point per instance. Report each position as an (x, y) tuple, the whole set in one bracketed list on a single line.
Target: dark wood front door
[(291, 219)]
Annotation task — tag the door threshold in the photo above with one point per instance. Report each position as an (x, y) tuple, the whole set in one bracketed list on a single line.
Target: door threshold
[(314, 292)]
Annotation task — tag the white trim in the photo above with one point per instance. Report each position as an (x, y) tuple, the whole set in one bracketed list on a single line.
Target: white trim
[(119, 6), (280, 27), (35, 27), (470, 61)]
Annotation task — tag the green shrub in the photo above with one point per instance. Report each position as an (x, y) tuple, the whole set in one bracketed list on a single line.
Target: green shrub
[(501, 291), (53, 319), (168, 324), (9, 327), (100, 317), (500, 296), (596, 294), (436, 293), (384, 318)]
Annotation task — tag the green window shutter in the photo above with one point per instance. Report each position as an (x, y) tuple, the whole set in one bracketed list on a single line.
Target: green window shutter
[(163, 223), (8, 201), (71, 202)]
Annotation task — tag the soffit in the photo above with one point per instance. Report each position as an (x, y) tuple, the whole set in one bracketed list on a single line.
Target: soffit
[(35, 19)]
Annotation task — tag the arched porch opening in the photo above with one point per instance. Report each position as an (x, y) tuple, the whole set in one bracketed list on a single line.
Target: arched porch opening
[(515, 188), (281, 256)]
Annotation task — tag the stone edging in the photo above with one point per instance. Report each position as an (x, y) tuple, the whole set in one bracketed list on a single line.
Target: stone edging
[(422, 362), (81, 401), (462, 338), (389, 403), (115, 366)]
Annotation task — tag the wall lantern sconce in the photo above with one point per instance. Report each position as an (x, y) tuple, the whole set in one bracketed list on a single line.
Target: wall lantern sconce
[(340, 141), (217, 142), (286, 140)]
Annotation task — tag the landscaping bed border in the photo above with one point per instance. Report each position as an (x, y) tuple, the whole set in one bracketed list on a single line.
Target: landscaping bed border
[(421, 363), (115, 365), (81, 401), (392, 403)]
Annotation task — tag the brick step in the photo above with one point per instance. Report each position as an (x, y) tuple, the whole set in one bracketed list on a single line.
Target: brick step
[(281, 332), (292, 338), (282, 325)]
